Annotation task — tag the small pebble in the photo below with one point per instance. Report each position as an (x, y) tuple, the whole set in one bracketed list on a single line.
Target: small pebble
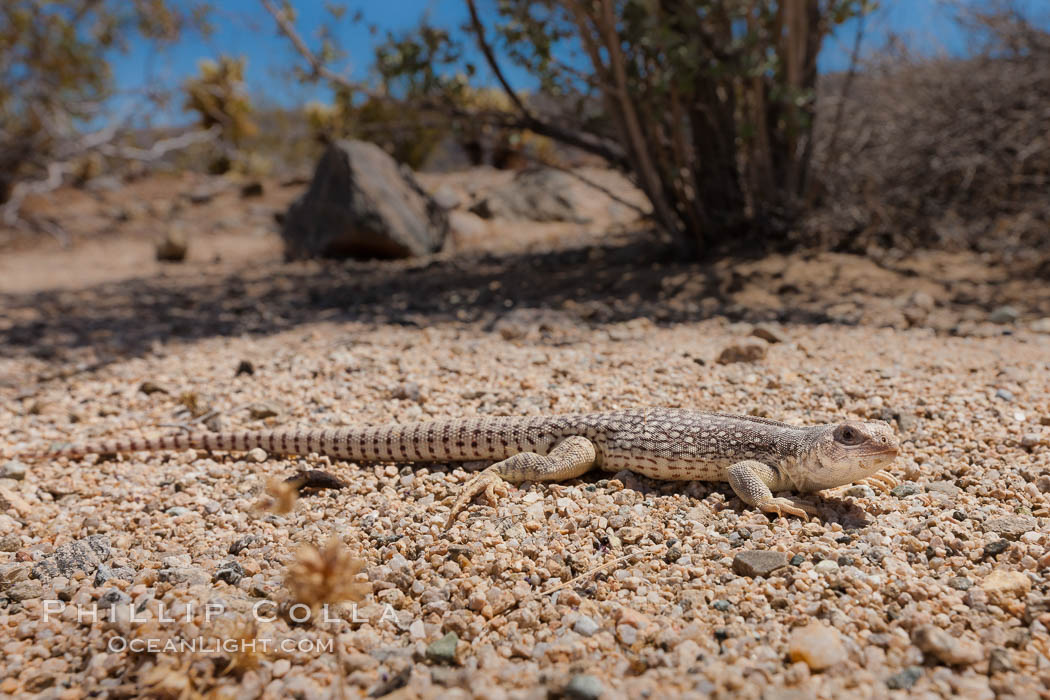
[(243, 543), (1006, 584), (758, 562), (951, 650), (1011, 527), (114, 597), (768, 333), (1004, 315), (818, 645), (826, 566), (13, 469), (443, 651), (584, 686), (264, 410), (173, 246), (997, 547), (948, 488), (105, 573), (409, 391), (586, 626), (747, 350), (631, 535), (908, 488), (258, 454), (24, 590), (627, 634), (252, 189), (999, 661), (231, 572), (905, 679), (1031, 440), (152, 388)]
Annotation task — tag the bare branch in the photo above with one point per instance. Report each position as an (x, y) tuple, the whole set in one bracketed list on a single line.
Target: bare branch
[(590, 183), (317, 64), (490, 58), (642, 150), (529, 120), (162, 147), (840, 108), (56, 172), (100, 141)]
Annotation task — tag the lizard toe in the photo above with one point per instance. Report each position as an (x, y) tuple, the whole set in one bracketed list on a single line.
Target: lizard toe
[(782, 506), (488, 481), (883, 481)]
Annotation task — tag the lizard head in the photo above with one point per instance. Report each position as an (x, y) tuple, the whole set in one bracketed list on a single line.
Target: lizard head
[(849, 451)]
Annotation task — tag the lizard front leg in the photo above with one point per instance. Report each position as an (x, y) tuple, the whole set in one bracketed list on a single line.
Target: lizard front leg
[(569, 459), (754, 482)]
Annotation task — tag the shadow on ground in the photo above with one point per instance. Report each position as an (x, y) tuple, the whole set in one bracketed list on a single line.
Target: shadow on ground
[(582, 287)]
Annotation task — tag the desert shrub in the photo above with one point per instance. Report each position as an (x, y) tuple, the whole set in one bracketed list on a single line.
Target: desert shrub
[(219, 98), (947, 152)]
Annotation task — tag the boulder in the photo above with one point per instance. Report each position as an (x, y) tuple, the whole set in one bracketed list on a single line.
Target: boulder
[(362, 204), (542, 194)]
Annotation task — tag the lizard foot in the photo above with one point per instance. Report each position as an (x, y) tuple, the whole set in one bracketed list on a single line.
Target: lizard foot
[(488, 481), (882, 480), (782, 506)]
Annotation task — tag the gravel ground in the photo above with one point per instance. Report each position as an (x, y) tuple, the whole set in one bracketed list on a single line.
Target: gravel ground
[(608, 586)]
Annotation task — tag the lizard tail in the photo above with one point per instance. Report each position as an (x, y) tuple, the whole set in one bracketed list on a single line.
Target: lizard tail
[(241, 441)]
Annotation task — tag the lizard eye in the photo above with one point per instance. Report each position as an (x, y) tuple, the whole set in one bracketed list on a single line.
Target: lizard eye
[(847, 435)]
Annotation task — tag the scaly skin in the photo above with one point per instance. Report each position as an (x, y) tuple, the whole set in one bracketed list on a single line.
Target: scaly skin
[(755, 455)]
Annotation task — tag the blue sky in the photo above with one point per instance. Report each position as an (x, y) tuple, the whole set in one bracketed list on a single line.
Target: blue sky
[(243, 28)]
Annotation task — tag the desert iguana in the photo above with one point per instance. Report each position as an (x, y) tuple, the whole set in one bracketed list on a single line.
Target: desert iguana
[(756, 456)]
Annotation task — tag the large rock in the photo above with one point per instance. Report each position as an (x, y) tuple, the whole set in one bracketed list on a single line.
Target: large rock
[(541, 194), (362, 204)]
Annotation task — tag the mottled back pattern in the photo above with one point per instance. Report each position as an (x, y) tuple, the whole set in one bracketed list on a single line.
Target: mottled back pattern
[(668, 443)]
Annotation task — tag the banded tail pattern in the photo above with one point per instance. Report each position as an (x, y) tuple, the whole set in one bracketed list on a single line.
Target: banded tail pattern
[(451, 440)]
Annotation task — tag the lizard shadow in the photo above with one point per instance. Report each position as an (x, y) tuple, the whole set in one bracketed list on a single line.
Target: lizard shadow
[(831, 509), (844, 511)]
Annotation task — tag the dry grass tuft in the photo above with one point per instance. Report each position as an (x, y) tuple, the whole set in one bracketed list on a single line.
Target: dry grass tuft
[(323, 576), (247, 654), (279, 497)]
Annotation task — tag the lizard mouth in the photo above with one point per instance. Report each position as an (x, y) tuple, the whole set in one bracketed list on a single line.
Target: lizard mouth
[(884, 455)]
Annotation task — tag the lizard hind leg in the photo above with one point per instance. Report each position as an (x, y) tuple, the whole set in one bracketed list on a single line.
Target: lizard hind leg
[(570, 458)]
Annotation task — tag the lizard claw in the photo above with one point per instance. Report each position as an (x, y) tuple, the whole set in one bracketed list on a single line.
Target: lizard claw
[(488, 481), (782, 506), (884, 481)]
